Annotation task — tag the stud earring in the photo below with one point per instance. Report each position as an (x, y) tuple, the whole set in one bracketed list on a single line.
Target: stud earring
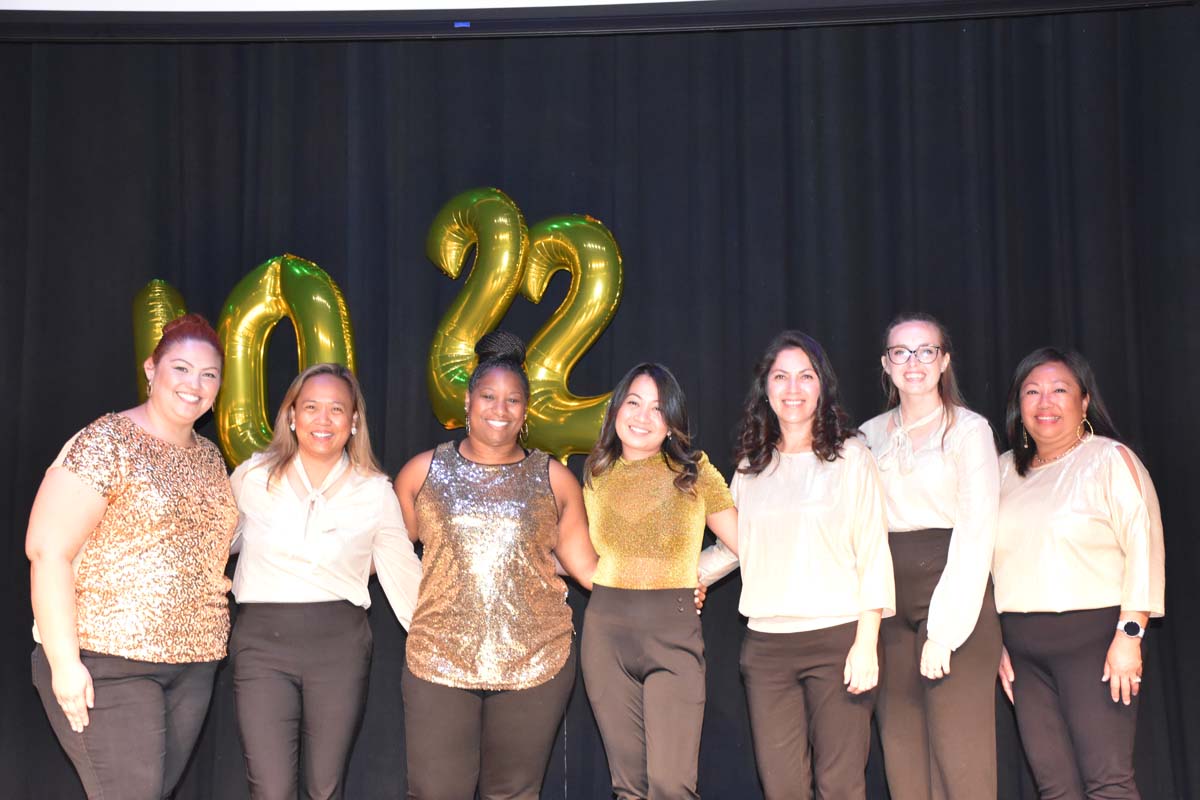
[(292, 426), (353, 430)]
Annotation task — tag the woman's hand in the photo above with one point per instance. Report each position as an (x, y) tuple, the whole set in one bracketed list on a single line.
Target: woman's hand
[(1123, 668), (72, 685), (935, 660), (862, 667), (1006, 674), (699, 595)]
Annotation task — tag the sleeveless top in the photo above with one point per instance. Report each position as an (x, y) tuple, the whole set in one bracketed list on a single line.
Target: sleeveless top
[(150, 581), (491, 613)]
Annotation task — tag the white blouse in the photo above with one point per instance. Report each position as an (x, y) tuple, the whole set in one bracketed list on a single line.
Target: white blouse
[(1081, 532), (319, 549), (812, 537), (956, 485)]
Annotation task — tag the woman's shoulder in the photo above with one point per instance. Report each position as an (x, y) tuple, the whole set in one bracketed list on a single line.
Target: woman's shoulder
[(970, 421), (855, 449), (876, 426)]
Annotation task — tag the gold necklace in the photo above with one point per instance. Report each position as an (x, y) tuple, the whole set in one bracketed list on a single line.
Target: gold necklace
[(1038, 461)]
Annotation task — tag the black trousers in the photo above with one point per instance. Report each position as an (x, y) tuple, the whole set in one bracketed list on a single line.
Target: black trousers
[(1078, 741), (643, 664), (300, 685), (939, 737), (142, 729), (807, 728), (497, 741)]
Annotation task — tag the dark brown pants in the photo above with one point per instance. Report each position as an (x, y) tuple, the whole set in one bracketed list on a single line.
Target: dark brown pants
[(300, 686), (643, 665), (1078, 741), (142, 729), (939, 737), (798, 703), (500, 742)]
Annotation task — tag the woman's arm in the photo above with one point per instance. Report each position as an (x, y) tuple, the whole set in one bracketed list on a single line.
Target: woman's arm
[(725, 525), (574, 549), (65, 512), (407, 485)]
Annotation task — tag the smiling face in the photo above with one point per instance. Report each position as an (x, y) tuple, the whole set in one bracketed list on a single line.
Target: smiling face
[(639, 422), (323, 415), (1052, 407), (793, 388), (496, 408), (185, 381), (912, 378)]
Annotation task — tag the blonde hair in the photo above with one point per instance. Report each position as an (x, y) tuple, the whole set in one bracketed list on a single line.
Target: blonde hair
[(283, 447)]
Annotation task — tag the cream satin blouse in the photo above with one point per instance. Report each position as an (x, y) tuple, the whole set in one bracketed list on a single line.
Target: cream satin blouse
[(1079, 533)]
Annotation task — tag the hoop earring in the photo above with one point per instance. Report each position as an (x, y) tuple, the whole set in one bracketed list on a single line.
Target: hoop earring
[(1024, 438), (524, 433), (149, 388), (1079, 431), (467, 423)]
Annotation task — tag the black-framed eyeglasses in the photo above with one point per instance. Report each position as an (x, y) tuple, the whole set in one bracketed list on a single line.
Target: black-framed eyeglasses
[(926, 354)]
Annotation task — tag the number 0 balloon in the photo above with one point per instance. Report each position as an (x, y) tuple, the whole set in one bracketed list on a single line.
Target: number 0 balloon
[(286, 286)]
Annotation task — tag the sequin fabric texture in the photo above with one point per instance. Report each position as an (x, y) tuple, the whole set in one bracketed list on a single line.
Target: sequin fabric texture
[(150, 583), (646, 531), (491, 613)]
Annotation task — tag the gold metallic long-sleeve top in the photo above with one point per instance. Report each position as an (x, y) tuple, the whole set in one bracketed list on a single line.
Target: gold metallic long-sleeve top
[(646, 531), (150, 581), (491, 613), (1081, 532)]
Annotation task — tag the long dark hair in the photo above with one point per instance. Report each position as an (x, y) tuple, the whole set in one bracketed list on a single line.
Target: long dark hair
[(677, 447), (948, 390), (500, 350), (758, 432), (1023, 448)]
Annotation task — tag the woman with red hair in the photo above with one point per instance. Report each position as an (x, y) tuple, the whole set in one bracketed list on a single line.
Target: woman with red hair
[(127, 541)]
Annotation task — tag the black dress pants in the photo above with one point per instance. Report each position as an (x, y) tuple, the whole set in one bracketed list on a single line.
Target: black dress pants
[(142, 729), (1078, 741), (497, 741), (300, 685), (809, 732), (939, 736)]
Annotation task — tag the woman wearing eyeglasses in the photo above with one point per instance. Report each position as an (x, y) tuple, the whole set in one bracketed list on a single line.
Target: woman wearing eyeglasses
[(937, 462)]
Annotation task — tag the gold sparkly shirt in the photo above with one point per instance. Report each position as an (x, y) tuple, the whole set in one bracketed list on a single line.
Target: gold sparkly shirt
[(646, 531), (150, 582), (491, 613)]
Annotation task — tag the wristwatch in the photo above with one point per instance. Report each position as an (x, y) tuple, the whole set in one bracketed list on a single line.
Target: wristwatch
[(1131, 628)]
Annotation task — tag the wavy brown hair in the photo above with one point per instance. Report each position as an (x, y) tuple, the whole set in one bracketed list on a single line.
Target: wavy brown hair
[(681, 456), (948, 390), (283, 447), (758, 432)]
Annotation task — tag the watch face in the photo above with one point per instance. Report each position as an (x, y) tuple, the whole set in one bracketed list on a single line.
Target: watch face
[(1131, 628)]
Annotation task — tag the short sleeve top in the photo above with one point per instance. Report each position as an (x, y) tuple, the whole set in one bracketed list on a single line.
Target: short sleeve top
[(646, 531), (150, 581)]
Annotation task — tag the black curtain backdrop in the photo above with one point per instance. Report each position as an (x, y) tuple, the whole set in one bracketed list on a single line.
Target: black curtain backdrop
[(1030, 181)]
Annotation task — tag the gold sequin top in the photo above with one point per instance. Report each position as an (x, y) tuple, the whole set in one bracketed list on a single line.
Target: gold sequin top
[(646, 531), (150, 582), (491, 613)]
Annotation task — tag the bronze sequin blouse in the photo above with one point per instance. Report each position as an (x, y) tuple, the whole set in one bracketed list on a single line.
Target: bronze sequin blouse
[(646, 531), (491, 613), (150, 582)]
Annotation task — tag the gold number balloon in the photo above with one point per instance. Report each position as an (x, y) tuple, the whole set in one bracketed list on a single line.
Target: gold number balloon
[(489, 221), (559, 421), (153, 307), (286, 286)]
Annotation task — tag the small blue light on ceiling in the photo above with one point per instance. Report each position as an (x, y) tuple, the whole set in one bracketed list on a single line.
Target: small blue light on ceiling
[(466, 24)]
